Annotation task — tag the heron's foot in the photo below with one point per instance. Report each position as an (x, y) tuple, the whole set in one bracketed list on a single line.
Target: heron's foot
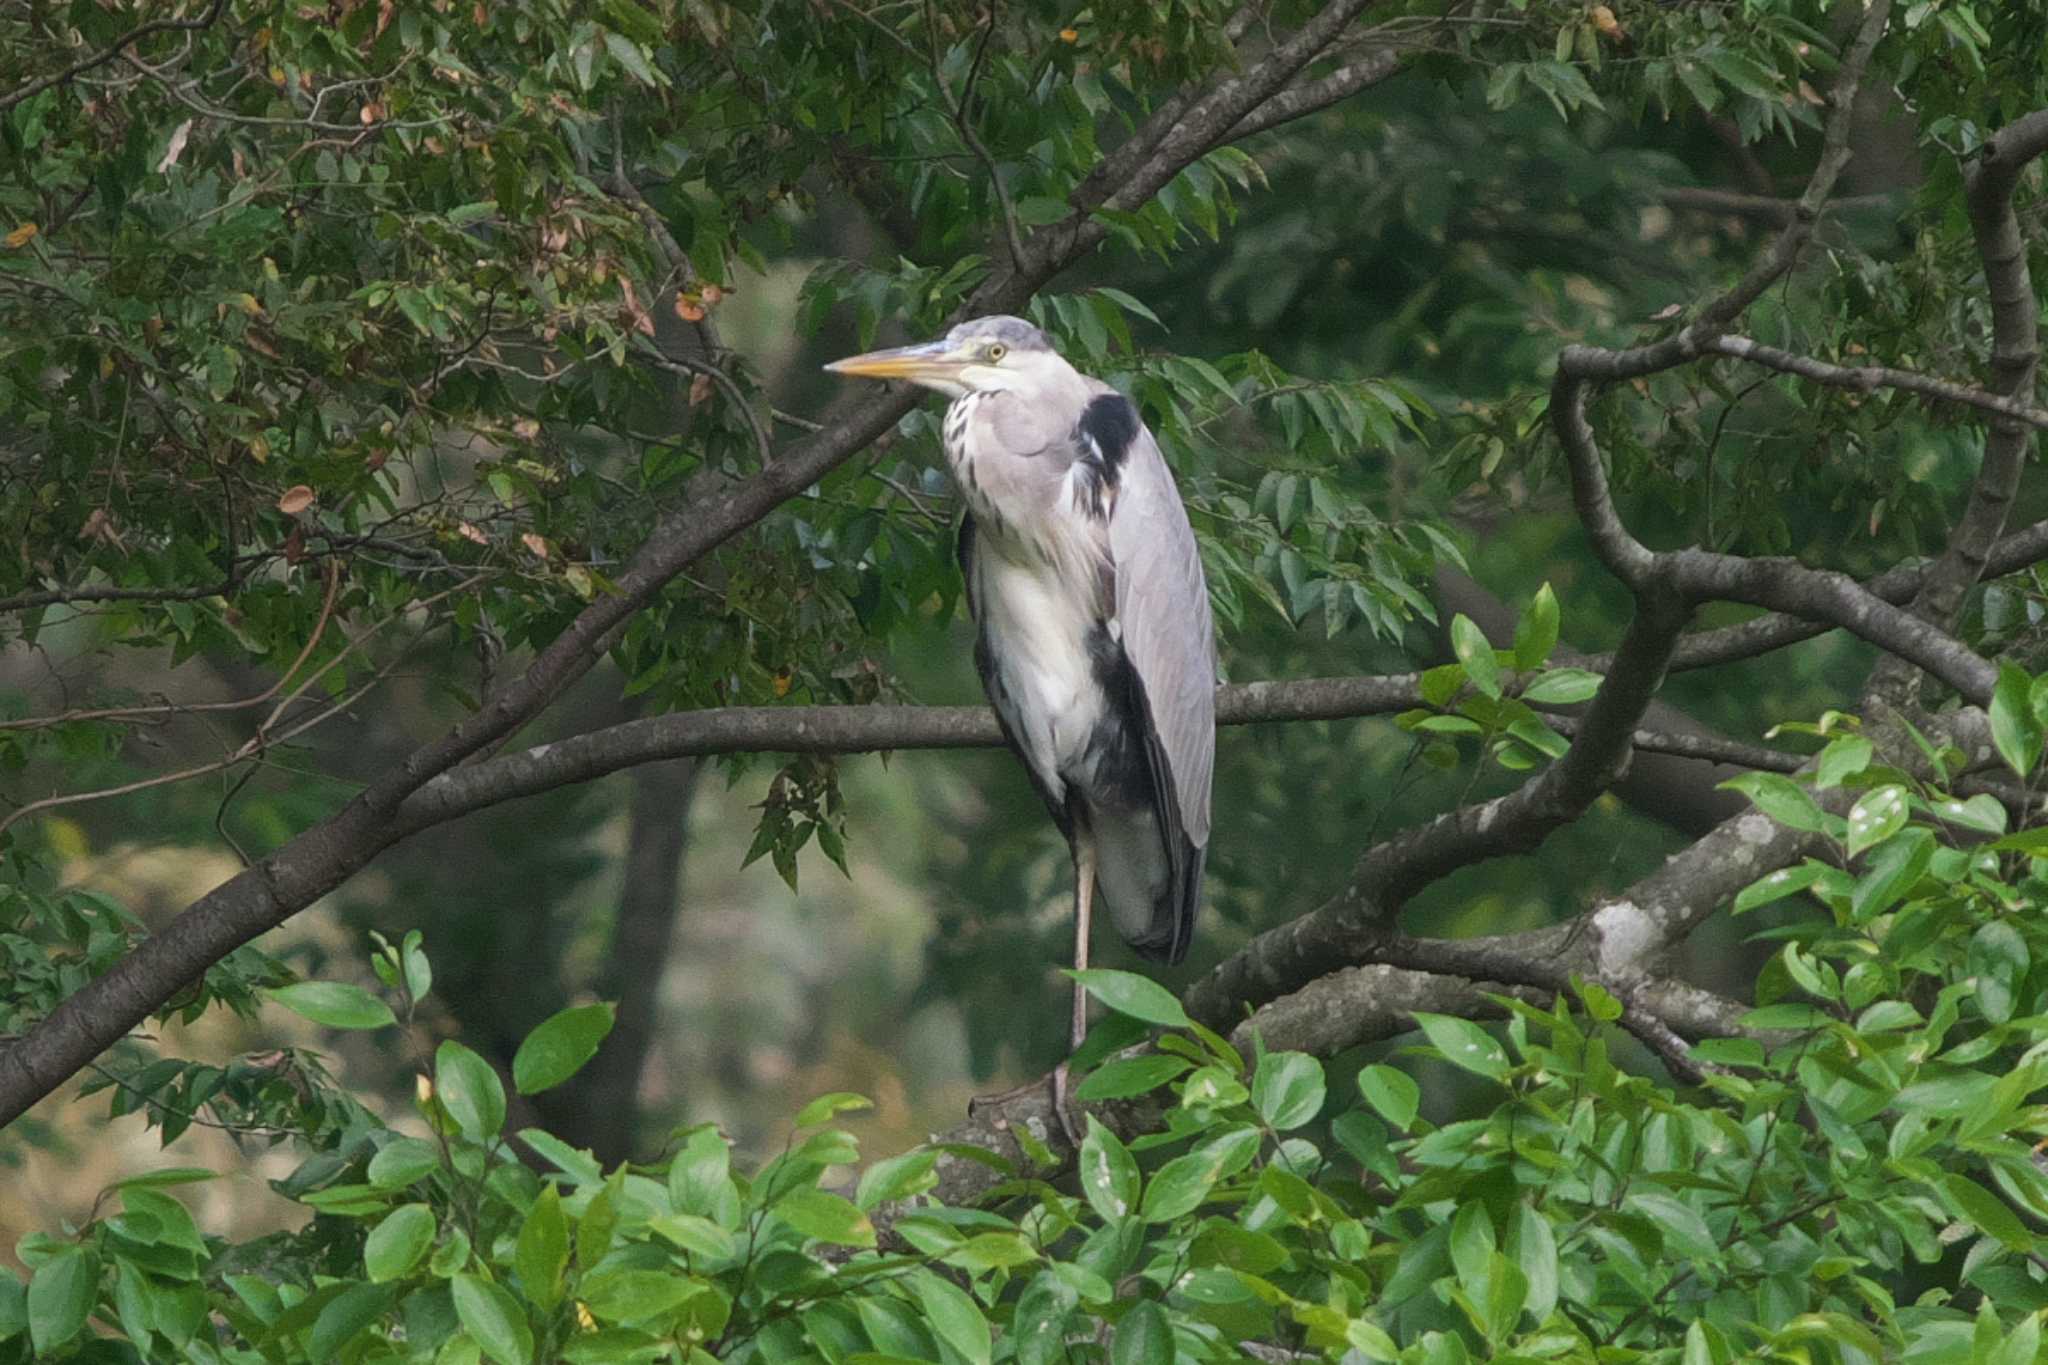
[(1067, 1114)]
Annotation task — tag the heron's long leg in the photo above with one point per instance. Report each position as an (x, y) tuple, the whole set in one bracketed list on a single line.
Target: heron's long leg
[(1084, 898)]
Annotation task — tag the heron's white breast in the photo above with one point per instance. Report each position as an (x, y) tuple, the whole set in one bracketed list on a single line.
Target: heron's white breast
[(1038, 622)]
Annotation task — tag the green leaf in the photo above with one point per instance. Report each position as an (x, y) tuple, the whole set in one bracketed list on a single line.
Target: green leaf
[(897, 1177), (1532, 1246), (1562, 687), (825, 1216), (60, 1295), (1464, 1044), (400, 1163), (1981, 813), (1536, 632), (635, 1296), (333, 1003), (559, 1046), (1128, 1076), (173, 1221), (469, 1089), (627, 54), (1475, 652), (1686, 1236), (1876, 817), (1108, 1174), (1472, 1246), (1844, 757), (1998, 960), (1143, 1337), (1985, 1211), (1179, 1187), (1780, 798), (541, 1256), (698, 1236), (825, 1106), (398, 1242), (1775, 886), (954, 1317), (1890, 873), (2015, 731), (345, 1317), (492, 1317), (1392, 1091), (1288, 1089), (1138, 996)]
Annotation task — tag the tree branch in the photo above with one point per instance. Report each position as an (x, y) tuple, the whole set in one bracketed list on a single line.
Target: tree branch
[(2015, 358), (1869, 378), (1349, 927)]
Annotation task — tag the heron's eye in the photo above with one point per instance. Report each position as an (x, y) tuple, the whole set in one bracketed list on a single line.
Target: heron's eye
[(997, 351)]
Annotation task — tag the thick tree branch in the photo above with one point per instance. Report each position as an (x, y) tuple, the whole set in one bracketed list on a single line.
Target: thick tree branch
[(1345, 1008), (2015, 359), (1749, 639), (1299, 101), (1780, 584), (1347, 928)]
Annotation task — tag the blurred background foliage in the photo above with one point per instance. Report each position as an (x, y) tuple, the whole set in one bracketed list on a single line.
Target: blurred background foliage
[(387, 327)]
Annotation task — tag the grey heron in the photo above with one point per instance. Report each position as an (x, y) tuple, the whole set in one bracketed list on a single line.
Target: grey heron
[(1094, 638)]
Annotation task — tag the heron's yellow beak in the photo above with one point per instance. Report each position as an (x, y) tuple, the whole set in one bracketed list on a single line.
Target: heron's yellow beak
[(930, 362)]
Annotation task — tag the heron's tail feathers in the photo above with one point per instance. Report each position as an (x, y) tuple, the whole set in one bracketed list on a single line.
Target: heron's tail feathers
[(1152, 898)]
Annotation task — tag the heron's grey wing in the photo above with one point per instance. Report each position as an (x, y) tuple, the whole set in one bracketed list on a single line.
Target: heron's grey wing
[(1162, 605)]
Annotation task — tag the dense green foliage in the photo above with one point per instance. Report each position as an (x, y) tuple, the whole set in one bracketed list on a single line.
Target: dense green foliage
[(1860, 1185)]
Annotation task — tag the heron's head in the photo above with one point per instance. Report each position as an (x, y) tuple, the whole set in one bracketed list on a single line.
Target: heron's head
[(979, 356)]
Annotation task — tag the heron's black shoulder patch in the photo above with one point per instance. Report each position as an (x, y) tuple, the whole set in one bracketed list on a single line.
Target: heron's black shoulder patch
[(1109, 424)]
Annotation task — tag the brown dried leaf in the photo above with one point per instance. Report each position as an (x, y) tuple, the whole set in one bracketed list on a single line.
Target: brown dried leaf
[(526, 429), (536, 543), (373, 112), (295, 500), (635, 314), (295, 546), (700, 389), (176, 148), (99, 525), (1606, 24), (21, 236), (469, 532)]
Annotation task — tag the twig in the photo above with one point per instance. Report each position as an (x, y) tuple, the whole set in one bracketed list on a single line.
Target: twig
[(676, 364), (1869, 378), (175, 708), (1762, 205), (1013, 236)]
